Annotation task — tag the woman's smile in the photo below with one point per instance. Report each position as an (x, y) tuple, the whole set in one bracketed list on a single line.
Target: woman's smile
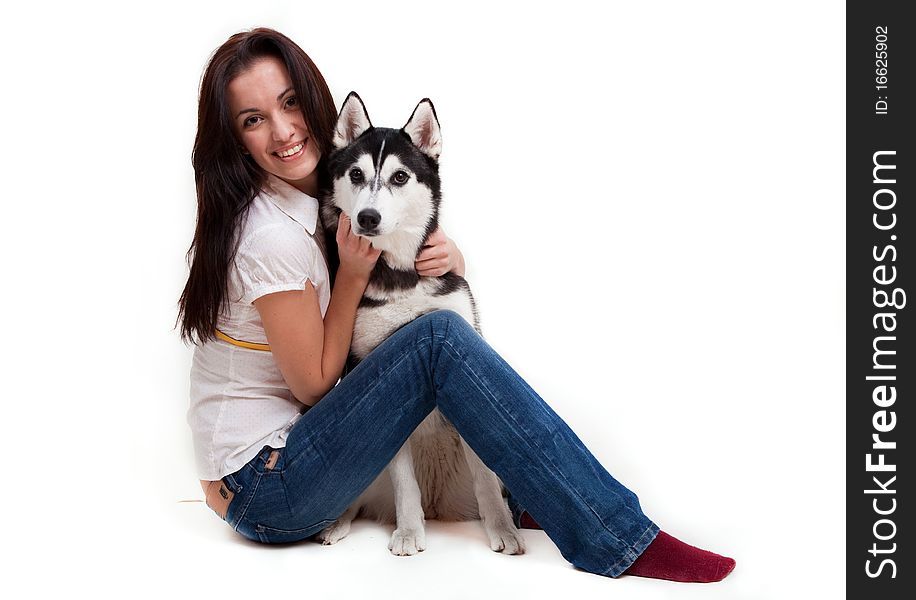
[(292, 153)]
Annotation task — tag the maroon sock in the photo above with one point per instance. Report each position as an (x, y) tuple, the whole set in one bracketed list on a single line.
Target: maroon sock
[(669, 558), (527, 522)]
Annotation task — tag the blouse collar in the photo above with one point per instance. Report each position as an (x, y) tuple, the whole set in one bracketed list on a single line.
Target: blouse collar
[(297, 205)]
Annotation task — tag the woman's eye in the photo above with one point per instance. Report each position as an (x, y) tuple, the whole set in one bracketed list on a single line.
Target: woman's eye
[(356, 175), (251, 121), (400, 177), (292, 101)]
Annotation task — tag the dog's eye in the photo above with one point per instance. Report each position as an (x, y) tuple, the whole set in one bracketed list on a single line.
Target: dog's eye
[(400, 178), (356, 175)]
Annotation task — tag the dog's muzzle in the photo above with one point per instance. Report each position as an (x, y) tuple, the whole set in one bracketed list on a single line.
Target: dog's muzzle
[(368, 220)]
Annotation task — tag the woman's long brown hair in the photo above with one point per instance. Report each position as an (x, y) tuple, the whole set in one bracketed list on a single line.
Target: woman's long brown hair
[(227, 180)]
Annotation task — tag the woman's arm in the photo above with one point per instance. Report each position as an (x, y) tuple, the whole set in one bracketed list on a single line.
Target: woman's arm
[(439, 256), (311, 351)]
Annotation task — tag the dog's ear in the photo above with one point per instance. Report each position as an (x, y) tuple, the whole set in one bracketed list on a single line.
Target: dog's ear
[(352, 121), (423, 129)]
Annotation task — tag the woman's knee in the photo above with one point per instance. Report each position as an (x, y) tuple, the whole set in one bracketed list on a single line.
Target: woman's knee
[(445, 323)]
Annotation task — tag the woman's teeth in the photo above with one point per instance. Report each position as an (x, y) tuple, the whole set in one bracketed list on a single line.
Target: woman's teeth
[(294, 150)]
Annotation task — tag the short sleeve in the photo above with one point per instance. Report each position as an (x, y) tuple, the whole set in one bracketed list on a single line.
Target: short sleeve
[(273, 259)]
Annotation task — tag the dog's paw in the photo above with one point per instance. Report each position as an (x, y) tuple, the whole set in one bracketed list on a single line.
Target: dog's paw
[(333, 533), (407, 542), (506, 538)]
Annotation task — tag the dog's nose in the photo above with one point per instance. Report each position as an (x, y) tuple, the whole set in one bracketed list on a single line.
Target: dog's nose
[(368, 219)]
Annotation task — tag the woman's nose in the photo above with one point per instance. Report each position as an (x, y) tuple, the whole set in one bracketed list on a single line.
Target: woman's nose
[(283, 129)]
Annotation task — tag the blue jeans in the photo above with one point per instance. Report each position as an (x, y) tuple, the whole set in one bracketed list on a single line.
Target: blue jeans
[(340, 445)]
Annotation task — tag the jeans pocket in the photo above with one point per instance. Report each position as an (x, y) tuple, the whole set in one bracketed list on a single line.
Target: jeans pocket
[(272, 535), (244, 483)]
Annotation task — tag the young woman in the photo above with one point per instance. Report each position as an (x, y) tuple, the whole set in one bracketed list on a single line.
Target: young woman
[(281, 450)]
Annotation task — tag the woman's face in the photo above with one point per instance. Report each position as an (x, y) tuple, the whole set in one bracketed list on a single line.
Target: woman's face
[(269, 123)]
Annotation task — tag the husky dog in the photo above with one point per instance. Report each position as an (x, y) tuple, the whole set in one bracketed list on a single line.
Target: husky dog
[(387, 182)]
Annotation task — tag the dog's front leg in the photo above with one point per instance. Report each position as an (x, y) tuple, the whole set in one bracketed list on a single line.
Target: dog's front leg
[(410, 535), (497, 520)]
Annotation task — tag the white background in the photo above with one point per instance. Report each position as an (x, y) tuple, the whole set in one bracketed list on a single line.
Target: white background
[(650, 199)]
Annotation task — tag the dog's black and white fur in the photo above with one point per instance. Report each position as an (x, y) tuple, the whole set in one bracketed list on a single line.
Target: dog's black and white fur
[(387, 182)]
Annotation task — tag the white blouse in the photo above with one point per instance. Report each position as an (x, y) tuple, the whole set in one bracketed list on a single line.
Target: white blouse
[(239, 400)]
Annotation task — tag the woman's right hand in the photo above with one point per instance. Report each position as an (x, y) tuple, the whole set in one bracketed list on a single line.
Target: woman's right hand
[(357, 256)]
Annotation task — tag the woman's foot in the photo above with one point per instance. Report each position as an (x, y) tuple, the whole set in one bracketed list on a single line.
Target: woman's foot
[(526, 521), (669, 558)]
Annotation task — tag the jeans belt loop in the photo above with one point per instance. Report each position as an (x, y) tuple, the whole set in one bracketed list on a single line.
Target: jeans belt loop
[(272, 460)]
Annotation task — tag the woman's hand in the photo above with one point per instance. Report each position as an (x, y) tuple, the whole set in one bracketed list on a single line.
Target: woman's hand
[(357, 256), (439, 256)]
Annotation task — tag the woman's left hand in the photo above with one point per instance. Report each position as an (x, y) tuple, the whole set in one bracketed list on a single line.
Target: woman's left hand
[(439, 256)]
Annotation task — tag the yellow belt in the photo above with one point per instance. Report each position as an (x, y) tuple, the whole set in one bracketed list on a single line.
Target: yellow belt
[(241, 344)]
